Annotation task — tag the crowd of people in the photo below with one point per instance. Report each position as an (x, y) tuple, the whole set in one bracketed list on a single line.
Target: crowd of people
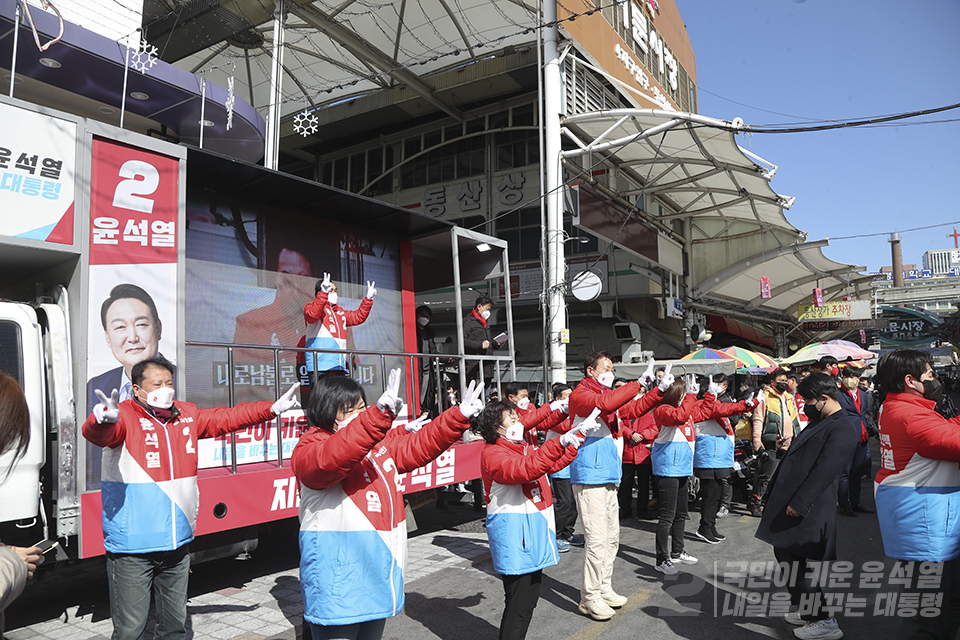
[(606, 449)]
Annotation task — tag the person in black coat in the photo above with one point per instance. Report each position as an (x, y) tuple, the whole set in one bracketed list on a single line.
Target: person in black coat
[(477, 339), (800, 515), (859, 406)]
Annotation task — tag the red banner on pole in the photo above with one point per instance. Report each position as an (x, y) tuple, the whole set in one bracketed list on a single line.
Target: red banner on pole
[(817, 297), (764, 287)]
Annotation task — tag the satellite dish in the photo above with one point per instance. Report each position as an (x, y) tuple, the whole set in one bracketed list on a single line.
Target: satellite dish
[(586, 286)]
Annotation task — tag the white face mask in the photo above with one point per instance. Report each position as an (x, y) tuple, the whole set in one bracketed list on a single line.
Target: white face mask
[(332, 298), (423, 321), (485, 315), (161, 398), (606, 379), (523, 403), (340, 424), (514, 432)]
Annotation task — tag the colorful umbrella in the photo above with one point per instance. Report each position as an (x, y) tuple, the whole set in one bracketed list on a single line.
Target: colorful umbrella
[(750, 359), (843, 351), (707, 354)]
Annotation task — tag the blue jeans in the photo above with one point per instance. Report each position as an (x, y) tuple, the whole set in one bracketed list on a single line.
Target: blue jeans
[(369, 630), (132, 576)]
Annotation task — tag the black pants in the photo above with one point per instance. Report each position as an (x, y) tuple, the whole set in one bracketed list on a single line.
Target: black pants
[(848, 491), (642, 473), (673, 516), (803, 593), (945, 625), (564, 507), (766, 464), (709, 504), (520, 599)]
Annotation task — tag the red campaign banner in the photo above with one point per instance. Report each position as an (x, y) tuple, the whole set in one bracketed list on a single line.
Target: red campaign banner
[(133, 205), (818, 297), (764, 287)]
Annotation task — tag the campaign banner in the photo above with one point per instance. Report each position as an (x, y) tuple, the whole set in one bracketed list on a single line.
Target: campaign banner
[(37, 175), (132, 300)]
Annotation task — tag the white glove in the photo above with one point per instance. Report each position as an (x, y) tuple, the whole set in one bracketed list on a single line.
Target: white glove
[(107, 410), (371, 289), (648, 375), (417, 424), (286, 402), (561, 405), (390, 402), (578, 434), (326, 286), (752, 403), (472, 404), (693, 387), (714, 388), (667, 380)]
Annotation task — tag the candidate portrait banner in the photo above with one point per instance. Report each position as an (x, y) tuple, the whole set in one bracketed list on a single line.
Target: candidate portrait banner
[(134, 198)]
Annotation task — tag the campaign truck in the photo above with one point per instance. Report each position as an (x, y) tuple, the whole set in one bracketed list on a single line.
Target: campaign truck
[(115, 247)]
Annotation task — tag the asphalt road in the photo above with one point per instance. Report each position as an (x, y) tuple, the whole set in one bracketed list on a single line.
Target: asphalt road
[(452, 592)]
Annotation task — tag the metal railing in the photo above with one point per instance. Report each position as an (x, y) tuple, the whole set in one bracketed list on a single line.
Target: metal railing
[(442, 366)]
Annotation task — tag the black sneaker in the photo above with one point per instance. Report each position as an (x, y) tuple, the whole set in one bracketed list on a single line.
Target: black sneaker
[(719, 536), (705, 536)]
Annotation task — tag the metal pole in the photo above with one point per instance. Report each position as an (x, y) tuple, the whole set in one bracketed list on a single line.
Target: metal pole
[(458, 302), (203, 110), (552, 109), (13, 59), (123, 98), (276, 78)]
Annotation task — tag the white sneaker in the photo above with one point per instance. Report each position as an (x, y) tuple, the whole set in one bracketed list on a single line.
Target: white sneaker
[(723, 512), (685, 558), (666, 568), (597, 609), (794, 618), (613, 599), (819, 630)]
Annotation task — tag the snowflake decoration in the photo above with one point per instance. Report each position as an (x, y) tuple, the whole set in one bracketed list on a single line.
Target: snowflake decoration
[(305, 123), (144, 58)]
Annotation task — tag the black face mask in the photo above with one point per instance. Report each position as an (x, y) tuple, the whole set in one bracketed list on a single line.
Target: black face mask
[(932, 390), (812, 412), (782, 386)]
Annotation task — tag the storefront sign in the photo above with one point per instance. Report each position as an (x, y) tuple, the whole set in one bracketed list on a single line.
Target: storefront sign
[(841, 310)]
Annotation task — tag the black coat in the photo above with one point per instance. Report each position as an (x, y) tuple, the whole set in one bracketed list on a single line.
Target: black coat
[(474, 334), (865, 415), (806, 479)]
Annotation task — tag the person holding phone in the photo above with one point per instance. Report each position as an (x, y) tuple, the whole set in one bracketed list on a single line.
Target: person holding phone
[(16, 563)]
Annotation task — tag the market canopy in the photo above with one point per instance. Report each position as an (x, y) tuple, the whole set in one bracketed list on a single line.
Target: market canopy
[(689, 161), (793, 272)]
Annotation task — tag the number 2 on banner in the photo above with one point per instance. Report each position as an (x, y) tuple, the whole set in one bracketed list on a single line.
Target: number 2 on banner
[(129, 193)]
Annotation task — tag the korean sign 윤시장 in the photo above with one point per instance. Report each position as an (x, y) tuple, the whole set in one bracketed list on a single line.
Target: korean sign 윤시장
[(37, 169)]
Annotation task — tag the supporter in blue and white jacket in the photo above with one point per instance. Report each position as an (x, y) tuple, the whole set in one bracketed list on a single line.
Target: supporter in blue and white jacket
[(520, 521), (713, 456), (672, 460), (353, 532), (595, 474), (918, 488)]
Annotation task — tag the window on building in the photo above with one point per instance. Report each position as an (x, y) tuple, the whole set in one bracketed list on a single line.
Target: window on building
[(522, 231)]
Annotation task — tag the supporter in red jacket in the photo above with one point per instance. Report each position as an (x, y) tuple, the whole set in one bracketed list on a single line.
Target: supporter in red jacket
[(638, 436), (150, 494), (353, 533)]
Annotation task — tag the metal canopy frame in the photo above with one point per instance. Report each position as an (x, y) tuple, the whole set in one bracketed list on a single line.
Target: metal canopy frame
[(694, 166)]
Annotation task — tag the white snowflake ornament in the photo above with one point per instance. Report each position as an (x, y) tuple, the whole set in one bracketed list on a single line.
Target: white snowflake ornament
[(144, 58), (305, 123)]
